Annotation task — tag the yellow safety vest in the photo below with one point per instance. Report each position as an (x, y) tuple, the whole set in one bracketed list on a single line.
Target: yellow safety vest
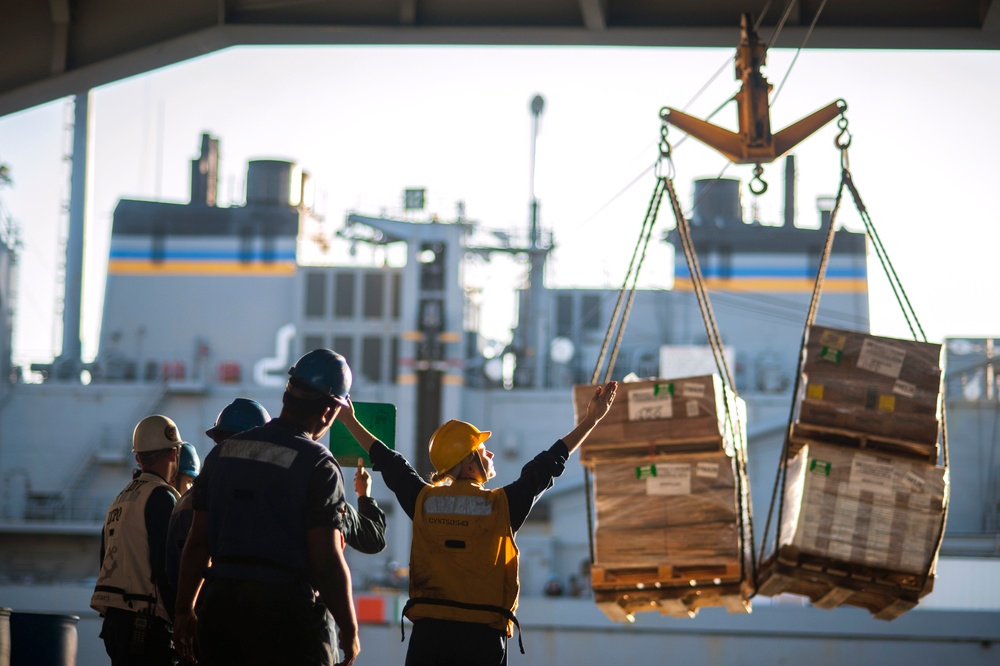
[(463, 560)]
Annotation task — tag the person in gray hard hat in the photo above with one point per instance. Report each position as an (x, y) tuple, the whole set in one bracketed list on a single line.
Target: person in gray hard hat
[(269, 516), (132, 591)]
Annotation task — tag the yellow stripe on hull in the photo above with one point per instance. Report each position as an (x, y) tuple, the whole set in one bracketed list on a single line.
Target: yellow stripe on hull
[(831, 285), (126, 267)]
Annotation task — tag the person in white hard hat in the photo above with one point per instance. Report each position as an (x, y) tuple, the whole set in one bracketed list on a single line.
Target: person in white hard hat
[(132, 591)]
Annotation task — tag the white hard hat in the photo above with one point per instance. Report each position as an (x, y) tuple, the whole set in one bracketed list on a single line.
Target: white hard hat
[(155, 433)]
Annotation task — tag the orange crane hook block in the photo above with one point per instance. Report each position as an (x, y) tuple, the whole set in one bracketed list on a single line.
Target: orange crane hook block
[(754, 144)]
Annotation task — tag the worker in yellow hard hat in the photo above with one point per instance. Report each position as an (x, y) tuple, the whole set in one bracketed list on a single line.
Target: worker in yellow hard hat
[(463, 559)]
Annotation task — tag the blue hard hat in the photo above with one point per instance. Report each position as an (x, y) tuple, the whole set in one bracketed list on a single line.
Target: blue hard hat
[(242, 414), (323, 371), (189, 463)]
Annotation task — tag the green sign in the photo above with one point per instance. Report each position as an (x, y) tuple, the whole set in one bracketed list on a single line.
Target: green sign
[(641, 472), (378, 417), (815, 466), (831, 355)]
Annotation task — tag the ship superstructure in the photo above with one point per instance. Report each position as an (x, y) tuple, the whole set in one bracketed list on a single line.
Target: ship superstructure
[(204, 304)]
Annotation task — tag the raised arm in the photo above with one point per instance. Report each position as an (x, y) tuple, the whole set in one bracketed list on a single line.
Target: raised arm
[(596, 410), (358, 431)]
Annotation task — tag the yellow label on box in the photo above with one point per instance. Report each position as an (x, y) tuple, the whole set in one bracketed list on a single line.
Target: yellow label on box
[(887, 403), (814, 391), (832, 340)]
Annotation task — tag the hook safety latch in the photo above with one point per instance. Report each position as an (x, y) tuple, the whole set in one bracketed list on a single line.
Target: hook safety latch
[(757, 184)]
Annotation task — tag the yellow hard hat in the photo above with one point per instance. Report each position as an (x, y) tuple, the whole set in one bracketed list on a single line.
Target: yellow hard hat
[(452, 442)]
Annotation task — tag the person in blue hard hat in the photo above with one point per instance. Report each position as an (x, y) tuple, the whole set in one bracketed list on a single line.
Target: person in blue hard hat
[(269, 509), (364, 527), (188, 466), (132, 592), (463, 558), (242, 414)]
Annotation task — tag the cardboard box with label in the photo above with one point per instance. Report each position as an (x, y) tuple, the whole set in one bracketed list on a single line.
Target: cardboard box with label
[(666, 491), (871, 385), (667, 411), (856, 507)]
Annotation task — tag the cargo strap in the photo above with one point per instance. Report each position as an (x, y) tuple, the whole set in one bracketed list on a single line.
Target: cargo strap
[(505, 612), (745, 516), (843, 142)]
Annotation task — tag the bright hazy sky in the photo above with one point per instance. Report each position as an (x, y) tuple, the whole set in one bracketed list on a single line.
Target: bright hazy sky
[(367, 122)]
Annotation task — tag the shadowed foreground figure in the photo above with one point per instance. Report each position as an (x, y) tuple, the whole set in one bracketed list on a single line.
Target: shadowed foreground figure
[(269, 512)]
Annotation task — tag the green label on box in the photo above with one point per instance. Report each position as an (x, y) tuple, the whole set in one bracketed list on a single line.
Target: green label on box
[(820, 467), (378, 417), (664, 389), (830, 354), (645, 471)]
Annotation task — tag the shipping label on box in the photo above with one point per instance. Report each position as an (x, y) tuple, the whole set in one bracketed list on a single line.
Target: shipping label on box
[(835, 350), (666, 411), (851, 506), (668, 490)]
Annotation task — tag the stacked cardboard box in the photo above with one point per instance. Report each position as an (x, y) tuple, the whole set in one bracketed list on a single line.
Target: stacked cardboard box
[(853, 506), (678, 510), (864, 501), (672, 509), (664, 415), (877, 387)]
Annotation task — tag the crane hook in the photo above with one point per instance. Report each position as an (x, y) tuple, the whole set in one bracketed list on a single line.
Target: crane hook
[(757, 184)]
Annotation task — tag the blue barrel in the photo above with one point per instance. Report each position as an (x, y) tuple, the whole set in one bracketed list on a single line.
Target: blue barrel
[(39, 639), (4, 637)]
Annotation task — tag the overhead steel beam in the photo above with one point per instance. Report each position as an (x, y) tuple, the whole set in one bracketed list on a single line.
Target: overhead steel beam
[(60, 34), (69, 79), (595, 14)]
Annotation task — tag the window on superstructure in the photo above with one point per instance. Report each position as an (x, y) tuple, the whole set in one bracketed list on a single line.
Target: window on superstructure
[(246, 245), (374, 296), (396, 295), (393, 359), (310, 342), (590, 312), (316, 295), (432, 266), (343, 297), (564, 315), (344, 345), (371, 358)]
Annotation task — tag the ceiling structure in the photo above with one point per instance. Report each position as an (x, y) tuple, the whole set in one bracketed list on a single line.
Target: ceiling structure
[(54, 48)]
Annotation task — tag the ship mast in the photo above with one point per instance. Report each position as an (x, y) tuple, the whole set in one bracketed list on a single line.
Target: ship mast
[(533, 357)]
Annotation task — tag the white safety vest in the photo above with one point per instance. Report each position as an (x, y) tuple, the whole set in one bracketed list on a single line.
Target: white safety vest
[(126, 578)]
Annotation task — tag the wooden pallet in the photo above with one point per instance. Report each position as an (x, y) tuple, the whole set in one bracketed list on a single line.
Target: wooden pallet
[(803, 433), (591, 454), (663, 576), (674, 601), (829, 583)]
